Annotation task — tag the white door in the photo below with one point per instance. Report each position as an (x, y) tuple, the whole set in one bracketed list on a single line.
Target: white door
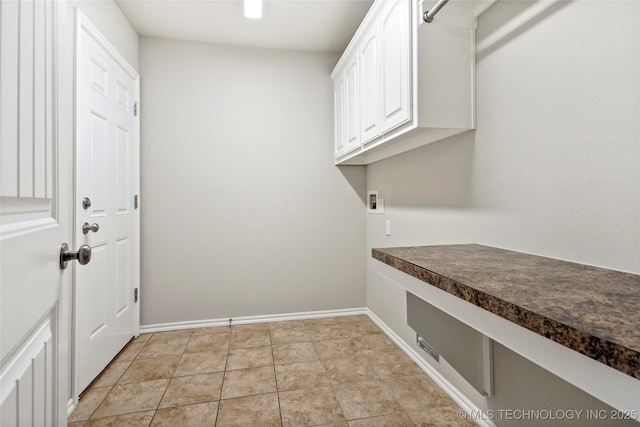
[(396, 83), (35, 220), (370, 90), (107, 142)]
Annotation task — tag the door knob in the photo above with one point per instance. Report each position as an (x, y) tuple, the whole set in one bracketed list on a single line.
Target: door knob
[(83, 255), (86, 227)]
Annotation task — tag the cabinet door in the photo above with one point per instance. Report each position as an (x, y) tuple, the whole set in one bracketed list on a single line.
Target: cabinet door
[(339, 115), (395, 26), (370, 90), (352, 101)]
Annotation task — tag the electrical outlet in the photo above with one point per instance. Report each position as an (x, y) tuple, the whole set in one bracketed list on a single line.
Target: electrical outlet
[(387, 227)]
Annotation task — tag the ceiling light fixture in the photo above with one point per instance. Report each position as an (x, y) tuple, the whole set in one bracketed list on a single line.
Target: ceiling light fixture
[(253, 9)]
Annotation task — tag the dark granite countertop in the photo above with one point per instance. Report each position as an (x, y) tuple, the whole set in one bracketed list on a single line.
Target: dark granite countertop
[(591, 310)]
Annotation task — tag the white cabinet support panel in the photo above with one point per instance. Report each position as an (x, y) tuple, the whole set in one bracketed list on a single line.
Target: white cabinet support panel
[(468, 351)]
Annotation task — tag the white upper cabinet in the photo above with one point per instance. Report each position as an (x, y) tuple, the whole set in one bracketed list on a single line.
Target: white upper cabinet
[(339, 113), (402, 83), (370, 111), (352, 104), (395, 54)]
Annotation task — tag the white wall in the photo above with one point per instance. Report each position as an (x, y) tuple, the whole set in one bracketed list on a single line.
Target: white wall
[(552, 169), (243, 211)]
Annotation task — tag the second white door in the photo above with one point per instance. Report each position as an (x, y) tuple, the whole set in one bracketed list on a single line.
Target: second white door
[(106, 211)]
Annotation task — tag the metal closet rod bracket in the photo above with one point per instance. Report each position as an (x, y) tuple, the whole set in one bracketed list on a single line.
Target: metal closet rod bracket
[(429, 14)]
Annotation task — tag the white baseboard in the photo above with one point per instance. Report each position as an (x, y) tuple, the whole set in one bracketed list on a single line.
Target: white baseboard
[(70, 407), (468, 406), (162, 327)]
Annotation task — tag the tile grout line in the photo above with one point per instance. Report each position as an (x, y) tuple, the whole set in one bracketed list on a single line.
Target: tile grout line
[(224, 373), (111, 387), (98, 405), (273, 358), (155, 412), (333, 390)]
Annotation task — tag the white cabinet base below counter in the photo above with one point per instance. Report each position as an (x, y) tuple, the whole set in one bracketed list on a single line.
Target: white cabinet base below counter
[(606, 384)]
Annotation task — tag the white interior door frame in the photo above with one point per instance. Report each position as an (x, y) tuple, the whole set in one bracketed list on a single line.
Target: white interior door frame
[(82, 23)]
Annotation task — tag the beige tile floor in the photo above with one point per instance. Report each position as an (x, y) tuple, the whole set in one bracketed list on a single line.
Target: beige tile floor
[(338, 371)]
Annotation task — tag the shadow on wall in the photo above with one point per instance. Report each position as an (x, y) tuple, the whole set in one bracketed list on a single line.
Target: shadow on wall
[(357, 179), (532, 12), (437, 175)]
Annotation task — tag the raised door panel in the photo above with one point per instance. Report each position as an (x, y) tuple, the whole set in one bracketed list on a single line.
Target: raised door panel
[(25, 106), (352, 104), (26, 383), (395, 59), (339, 115), (370, 111)]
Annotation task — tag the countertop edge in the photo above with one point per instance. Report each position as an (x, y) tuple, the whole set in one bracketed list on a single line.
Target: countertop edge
[(611, 354)]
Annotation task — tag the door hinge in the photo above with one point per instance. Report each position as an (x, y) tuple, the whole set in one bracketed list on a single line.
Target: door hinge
[(135, 295), (135, 202), (135, 109)]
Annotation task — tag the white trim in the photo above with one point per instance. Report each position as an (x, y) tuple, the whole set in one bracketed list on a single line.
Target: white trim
[(70, 407), (245, 320), (467, 405)]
